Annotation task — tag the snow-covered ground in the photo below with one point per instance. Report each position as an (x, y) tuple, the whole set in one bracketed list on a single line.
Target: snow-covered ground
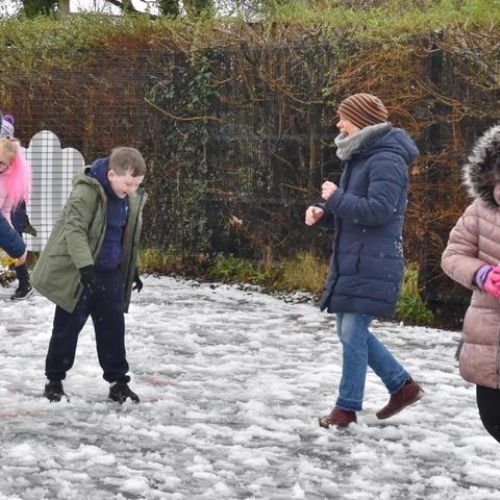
[(232, 382)]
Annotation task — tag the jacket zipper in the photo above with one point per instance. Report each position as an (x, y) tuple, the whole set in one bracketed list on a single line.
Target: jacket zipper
[(139, 206), (347, 175), (94, 253)]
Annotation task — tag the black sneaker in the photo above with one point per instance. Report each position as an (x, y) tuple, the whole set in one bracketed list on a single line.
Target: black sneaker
[(120, 391), (54, 391), (22, 293)]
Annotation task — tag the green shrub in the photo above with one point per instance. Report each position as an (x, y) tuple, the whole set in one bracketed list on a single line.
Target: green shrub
[(231, 268), (393, 18), (411, 308), (154, 261), (304, 272)]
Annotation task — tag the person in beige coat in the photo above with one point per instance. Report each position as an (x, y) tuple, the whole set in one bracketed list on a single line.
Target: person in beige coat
[(472, 258)]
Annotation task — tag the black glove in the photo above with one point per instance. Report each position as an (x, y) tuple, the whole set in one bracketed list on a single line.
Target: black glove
[(138, 284), (28, 228), (90, 281)]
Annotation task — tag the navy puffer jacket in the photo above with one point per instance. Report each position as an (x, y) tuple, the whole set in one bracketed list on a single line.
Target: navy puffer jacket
[(368, 208), (10, 240)]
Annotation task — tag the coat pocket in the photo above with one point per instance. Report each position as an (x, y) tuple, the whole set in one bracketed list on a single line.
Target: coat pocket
[(349, 259)]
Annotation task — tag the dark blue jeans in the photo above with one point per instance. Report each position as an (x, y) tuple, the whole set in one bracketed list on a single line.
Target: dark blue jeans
[(18, 218), (106, 310)]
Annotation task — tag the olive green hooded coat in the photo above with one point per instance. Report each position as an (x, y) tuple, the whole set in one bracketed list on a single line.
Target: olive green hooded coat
[(76, 240)]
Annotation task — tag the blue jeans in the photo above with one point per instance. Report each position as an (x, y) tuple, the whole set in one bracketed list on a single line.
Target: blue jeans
[(360, 350)]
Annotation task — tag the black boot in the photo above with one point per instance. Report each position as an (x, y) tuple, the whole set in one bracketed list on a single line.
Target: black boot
[(120, 391), (24, 290), (22, 293), (54, 391)]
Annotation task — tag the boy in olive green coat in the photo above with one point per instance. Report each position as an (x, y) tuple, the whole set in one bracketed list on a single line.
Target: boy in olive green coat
[(89, 268)]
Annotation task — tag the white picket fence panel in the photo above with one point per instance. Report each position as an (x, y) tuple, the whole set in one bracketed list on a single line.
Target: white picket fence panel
[(52, 170)]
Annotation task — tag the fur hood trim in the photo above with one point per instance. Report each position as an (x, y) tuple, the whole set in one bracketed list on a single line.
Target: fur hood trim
[(482, 170)]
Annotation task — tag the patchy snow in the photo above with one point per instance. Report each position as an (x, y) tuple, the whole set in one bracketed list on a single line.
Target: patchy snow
[(232, 382)]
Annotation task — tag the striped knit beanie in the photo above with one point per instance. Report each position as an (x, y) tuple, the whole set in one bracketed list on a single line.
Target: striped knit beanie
[(363, 110)]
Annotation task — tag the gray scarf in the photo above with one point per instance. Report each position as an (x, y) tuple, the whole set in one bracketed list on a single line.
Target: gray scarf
[(347, 146)]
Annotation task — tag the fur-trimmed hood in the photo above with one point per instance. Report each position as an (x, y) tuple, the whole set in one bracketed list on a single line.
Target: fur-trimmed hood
[(482, 170)]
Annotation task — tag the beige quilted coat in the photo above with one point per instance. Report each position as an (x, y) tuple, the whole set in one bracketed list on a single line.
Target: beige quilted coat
[(473, 242)]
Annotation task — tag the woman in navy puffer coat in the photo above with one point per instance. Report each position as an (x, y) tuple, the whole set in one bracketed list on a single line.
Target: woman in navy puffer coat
[(366, 211)]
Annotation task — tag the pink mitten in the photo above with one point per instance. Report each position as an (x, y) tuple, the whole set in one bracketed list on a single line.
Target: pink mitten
[(492, 283)]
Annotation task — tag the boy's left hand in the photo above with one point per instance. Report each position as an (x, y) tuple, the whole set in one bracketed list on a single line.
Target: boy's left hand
[(138, 284)]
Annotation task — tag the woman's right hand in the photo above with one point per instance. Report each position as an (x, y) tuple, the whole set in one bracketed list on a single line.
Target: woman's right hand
[(313, 215)]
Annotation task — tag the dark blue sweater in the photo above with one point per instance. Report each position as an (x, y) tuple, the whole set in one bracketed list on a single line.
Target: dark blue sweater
[(111, 253)]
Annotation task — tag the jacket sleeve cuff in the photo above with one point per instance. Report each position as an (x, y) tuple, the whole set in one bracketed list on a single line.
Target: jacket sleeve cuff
[(333, 202), (481, 275)]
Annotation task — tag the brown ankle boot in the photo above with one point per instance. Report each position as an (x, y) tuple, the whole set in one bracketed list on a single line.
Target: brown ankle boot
[(410, 393), (338, 417)]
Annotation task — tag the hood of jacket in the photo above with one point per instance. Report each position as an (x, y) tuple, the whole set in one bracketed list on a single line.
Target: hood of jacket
[(99, 170), (395, 140), (84, 177), (481, 172)]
